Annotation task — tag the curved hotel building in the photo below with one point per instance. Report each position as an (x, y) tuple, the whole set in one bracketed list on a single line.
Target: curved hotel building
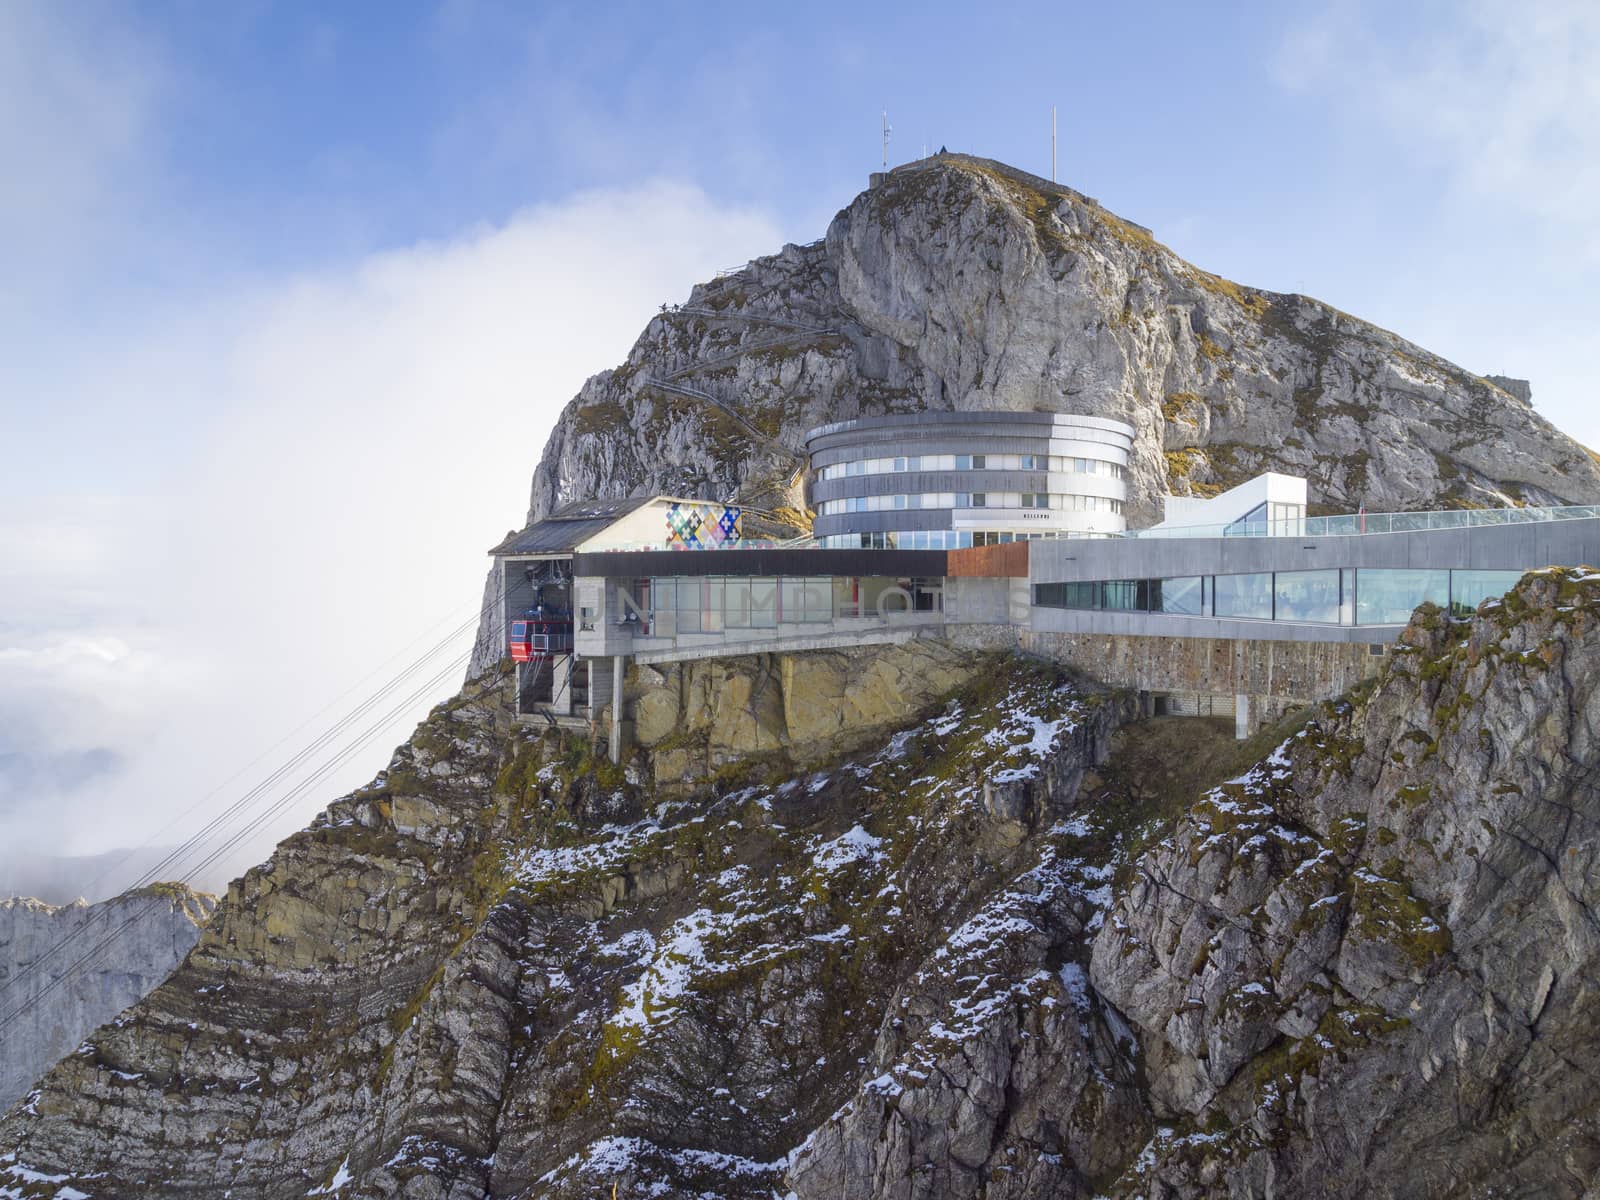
[(941, 481)]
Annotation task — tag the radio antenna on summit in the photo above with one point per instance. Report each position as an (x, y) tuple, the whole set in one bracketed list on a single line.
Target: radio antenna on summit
[(887, 130), (1052, 143)]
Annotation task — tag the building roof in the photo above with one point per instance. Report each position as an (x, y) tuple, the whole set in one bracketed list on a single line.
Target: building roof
[(564, 529), (986, 421)]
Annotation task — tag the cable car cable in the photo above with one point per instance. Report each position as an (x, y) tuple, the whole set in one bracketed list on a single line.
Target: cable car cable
[(232, 841), (127, 858), (299, 789), (277, 776)]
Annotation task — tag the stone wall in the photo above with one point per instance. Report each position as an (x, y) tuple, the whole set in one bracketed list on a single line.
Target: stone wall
[(1277, 671)]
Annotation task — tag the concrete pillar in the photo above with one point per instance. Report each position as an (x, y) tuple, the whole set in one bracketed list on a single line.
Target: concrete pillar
[(561, 685), (618, 668), (1147, 704), (1241, 716), (594, 696)]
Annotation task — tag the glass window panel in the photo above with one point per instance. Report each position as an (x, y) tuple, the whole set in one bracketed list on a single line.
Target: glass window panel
[(1307, 596), (789, 599), (816, 599), (1083, 595), (1252, 524), (711, 619), (1120, 595), (1468, 589), (1181, 595), (736, 603), (690, 605), (1387, 596), (662, 594), (763, 603), (1244, 595)]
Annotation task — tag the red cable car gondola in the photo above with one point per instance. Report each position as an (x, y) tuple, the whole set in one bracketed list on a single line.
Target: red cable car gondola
[(538, 634)]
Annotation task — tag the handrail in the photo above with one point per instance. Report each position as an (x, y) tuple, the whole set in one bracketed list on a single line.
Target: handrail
[(1361, 524), (800, 543)]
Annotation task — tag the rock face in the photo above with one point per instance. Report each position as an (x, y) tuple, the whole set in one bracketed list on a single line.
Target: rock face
[(153, 929), (696, 717), (508, 969), (1367, 968), (961, 283), (1027, 945)]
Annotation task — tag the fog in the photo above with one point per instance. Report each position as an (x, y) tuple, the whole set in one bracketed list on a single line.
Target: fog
[(274, 491)]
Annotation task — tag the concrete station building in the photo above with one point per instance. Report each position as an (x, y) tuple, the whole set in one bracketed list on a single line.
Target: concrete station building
[(993, 528)]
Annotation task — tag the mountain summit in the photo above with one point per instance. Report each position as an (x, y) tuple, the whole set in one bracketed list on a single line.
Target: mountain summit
[(960, 283)]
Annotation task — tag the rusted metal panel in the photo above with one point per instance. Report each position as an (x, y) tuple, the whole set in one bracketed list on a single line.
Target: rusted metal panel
[(1008, 560)]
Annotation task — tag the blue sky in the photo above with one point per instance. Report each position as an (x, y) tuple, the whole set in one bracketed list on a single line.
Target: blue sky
[(281, 276)]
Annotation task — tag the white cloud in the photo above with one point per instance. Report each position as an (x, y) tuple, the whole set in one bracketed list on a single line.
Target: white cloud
[(336, 451), (1502, 95)]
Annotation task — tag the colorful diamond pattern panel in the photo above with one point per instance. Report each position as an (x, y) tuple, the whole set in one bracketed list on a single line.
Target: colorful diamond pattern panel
[(702, 526)]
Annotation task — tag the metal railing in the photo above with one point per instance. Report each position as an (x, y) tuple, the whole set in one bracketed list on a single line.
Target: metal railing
[(798, 543), (1360, 524)]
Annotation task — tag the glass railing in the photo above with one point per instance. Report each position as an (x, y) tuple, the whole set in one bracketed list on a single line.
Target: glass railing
[(1359, 524), (799, 543)]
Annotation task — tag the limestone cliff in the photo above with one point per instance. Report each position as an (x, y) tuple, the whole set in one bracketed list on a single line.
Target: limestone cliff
[(151, 929), (1367, 967), (1019, 944), (960, 283), (505, 963)]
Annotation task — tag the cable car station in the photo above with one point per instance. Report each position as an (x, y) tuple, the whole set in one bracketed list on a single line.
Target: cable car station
[(1237, 604)]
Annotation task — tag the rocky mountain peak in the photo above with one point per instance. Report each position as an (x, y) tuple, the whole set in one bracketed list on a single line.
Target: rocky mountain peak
[(961, 283)]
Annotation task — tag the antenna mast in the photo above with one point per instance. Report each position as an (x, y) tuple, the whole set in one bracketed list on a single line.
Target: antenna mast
[(886, 132), (1052, 143)]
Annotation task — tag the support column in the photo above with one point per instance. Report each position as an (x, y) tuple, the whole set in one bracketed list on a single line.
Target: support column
[(1241, 716), (618, 669), (593, 693), (561, 685)]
